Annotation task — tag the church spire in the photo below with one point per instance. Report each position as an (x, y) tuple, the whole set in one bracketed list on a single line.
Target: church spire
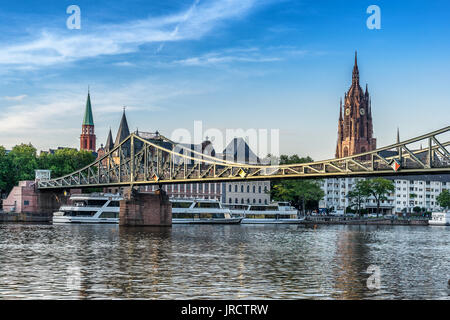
[(355, 76), (109, 141), (340, 111), (124, 131), (87, 138), (88, 118)]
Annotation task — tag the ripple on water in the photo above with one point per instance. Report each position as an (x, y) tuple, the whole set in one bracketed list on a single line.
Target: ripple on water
[(222, 262)]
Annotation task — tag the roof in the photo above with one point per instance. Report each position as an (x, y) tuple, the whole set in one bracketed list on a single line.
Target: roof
[(239, 151), (109, 142), (123, 132), (88, 118)]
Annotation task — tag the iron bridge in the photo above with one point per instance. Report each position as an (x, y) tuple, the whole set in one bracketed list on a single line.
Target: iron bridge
[(155, 159)]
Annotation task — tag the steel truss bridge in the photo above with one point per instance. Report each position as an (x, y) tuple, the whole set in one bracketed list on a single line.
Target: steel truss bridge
[(145, 160)]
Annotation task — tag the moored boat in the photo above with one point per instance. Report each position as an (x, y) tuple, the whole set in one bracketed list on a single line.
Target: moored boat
[(201, 211), (439, 219), (90, 208), (275, 213)]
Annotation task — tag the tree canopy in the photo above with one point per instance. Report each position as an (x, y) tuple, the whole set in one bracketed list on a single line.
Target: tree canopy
[(444, 199), (300, 193), (21, 162), (378, 188)]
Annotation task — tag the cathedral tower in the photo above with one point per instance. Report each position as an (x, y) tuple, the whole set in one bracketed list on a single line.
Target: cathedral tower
[(355, 130), (87, 138)]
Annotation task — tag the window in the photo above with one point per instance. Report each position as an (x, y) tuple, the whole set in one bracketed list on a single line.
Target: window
[(26, 203), (229, 188)]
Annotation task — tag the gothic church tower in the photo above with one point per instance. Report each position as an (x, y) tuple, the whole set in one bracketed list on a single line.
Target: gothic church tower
[(87, 138), (355, 130)]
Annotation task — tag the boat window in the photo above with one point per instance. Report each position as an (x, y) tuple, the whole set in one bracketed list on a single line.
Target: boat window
[(207, 205), (257, 208), (109, 215), (80, 213), (96, 203), (114, 204), (179, 204)]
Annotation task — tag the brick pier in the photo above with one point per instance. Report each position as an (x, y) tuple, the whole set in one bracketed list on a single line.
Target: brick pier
[(145, 209)]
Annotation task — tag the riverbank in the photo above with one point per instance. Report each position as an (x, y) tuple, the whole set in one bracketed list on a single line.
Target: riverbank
[(24, 217), (371, 221)]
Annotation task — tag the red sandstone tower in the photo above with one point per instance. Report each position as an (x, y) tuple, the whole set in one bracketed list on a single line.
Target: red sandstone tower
[(87, 138), (355, 130)]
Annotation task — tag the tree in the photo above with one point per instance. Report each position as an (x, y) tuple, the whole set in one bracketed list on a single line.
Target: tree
[(6, 177), (23, 162), (300, 193), (65, 161), (357, 196), (378, 188), (417, 209), (444, 199)]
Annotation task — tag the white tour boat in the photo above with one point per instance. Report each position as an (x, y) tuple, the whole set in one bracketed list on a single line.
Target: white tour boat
[(440, 219), (90, 208), (275, 213), (201, 211)]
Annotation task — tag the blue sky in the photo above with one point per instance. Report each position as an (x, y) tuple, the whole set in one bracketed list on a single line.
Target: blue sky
[(231, 64)]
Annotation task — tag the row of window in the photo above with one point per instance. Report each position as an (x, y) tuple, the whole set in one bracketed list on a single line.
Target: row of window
[(236, 200), (248, 189)]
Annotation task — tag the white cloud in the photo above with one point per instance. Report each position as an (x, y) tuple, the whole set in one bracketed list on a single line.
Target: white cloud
[(124, 64), (50, 48), (54, 119), (15, 98)]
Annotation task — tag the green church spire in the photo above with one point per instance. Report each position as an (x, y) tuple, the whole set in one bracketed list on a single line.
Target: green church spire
[(88, 118)]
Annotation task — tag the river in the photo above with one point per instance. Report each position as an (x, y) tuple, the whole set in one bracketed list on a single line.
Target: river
[(39, 261)]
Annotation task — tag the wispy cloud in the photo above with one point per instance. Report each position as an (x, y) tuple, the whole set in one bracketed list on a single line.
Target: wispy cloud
[(245, 55), (213, 59), (48, 118), (15, 98), (53, 47), (124, 64)]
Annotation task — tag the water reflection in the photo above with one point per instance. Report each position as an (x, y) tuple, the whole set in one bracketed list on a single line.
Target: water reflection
[(222, 262)]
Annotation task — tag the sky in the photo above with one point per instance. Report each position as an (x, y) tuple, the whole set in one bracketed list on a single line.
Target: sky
[(232, 64)]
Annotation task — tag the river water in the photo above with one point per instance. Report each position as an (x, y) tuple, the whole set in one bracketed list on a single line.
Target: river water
[(224, 262)]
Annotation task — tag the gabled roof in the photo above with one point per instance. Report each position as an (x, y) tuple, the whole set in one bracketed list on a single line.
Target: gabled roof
[(88, 118)]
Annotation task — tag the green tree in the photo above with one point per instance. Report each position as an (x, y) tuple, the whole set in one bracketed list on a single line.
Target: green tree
[(444, 198), (65, 161), (23, 162), (378, 188), (300, 193), (6, 176), (357, 196)]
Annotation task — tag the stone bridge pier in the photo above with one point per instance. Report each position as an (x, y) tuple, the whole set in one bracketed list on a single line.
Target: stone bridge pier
[(145, 209)]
